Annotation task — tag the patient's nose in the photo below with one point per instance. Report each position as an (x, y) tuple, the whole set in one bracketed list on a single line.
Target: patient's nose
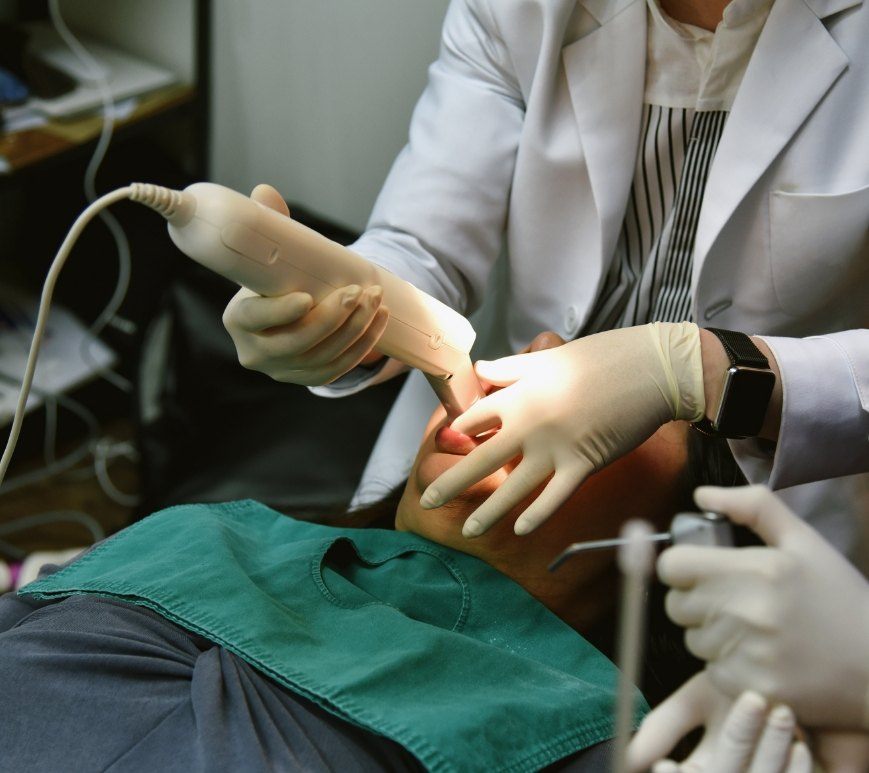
[(448, 441)]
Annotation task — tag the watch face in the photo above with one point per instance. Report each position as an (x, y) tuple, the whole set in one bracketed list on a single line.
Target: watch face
[(744, 402)]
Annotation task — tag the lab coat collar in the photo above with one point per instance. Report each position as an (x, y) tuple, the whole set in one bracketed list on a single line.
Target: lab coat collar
[(825, 8), (794, 65), (604, 10), (605, 72)]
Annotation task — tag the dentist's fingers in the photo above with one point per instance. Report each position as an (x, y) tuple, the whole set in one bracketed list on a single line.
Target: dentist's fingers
[(666, 766), (773, 751), (801, 759), (356, 325), (709, 641), (253, 313), (270, 197), (506, 370), (674, 718), (481, 462), (348, 360), (323, 320), (755, 507), (542, 341), (685, 608), (683, 566), (482, 416), (556, 493), (739, 734), (521, 482)]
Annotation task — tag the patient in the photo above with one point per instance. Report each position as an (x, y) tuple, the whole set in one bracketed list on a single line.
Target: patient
[(97, 682)]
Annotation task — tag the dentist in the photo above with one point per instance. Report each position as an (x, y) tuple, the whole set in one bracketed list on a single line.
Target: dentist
[(645, 167)]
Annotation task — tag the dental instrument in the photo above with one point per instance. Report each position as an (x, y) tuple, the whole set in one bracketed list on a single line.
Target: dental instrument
[(635, 560), (271, 254), (711, 529)]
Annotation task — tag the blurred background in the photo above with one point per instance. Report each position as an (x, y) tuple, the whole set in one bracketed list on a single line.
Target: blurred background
[(139, 402)]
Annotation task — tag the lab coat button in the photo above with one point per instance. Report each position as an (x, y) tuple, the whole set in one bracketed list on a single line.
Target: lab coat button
[(714, 309)]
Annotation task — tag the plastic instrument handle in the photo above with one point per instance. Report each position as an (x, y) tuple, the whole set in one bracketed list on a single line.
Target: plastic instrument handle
[(272, 254)]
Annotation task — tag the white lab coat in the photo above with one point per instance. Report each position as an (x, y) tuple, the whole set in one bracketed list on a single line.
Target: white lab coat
[(525, 140)]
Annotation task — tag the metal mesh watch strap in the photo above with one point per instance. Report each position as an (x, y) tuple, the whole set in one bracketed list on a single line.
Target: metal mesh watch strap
[(740, 348)]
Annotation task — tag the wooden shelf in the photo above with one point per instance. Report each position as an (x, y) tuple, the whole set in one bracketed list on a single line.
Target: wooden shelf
[(26, 148)]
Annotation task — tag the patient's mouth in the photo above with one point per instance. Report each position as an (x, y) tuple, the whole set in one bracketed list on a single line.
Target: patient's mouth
[(448, 441)]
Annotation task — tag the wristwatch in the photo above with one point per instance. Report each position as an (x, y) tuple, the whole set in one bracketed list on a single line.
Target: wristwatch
[(748, 385)]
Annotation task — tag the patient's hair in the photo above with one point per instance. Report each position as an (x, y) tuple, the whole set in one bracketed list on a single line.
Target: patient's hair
[(667, 663)]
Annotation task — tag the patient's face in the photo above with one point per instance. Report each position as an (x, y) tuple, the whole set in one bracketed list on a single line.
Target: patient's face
[(646, 483)]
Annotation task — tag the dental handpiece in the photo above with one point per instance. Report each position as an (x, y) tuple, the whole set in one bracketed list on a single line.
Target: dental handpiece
[(272, 254), (710, 529)]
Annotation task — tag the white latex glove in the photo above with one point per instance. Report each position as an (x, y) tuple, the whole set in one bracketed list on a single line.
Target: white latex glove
[(790, 620), (570, 411), (290, 339), (742, 736)]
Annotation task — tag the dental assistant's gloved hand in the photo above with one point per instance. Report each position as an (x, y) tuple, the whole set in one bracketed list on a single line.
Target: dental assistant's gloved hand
[(288, 338), (742, 736), (790, 620), (568, 412)]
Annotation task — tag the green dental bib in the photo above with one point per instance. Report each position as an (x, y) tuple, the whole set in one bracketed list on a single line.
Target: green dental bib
[(422, 644)]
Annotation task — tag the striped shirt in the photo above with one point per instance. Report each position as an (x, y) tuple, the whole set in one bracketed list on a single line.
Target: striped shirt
[(691, 79)]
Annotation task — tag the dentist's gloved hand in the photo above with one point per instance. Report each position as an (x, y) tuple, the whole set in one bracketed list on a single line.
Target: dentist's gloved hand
[(568, 412), (790, 620), (742, 736), (288, 338)]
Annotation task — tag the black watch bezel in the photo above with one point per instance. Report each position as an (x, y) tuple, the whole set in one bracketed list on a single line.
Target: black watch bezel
[(748, 386)]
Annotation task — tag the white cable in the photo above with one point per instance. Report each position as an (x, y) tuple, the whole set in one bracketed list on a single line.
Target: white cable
[(42, 316), (109, 313)]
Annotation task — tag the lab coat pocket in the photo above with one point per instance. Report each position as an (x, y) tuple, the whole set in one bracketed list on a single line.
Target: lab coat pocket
[(819, 249)]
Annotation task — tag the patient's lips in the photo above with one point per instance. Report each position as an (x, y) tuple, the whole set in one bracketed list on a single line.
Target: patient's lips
[(448, 441)]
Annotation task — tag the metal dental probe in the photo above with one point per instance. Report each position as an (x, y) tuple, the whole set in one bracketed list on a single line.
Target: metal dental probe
[(712, 529)]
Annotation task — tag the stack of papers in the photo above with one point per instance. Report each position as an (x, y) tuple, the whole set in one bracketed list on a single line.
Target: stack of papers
[(69, 357), (126, 75)]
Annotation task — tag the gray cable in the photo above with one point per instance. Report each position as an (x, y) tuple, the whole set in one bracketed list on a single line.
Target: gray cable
[(49, 443), (103, 452), (11, 552), (109, 314), (65, 462), (26, 522)]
